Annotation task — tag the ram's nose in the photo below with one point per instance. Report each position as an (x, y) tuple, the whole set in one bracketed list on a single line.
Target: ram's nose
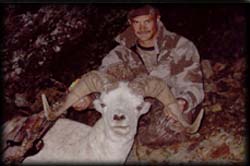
[(119, 117)]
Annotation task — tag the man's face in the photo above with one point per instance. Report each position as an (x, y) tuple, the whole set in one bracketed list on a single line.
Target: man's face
[(145, 27)]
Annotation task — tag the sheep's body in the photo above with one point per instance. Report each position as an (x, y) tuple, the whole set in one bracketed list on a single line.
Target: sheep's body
[(72, 142), (109, 140), (63, 138)]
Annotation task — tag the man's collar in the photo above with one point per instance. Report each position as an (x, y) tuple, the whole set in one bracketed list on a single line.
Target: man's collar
[(145, 48)]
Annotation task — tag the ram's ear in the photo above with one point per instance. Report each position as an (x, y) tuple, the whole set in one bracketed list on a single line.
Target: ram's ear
[(99, 106), (144, 108)]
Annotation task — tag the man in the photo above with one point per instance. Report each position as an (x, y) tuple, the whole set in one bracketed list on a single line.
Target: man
[(147, 47)]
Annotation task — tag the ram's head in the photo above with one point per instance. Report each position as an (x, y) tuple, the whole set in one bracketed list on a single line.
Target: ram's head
[(121, 109), (126, 98)]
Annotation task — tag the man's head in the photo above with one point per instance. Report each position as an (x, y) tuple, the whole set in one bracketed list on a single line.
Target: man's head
[(144, 23)]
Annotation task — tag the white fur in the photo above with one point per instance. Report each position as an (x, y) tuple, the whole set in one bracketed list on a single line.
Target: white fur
[(109, 140)]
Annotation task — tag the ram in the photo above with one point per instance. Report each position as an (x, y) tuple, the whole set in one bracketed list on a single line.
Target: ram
[(111, 138)]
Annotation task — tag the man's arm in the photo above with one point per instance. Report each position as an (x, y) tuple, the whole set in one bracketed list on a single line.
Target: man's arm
[(111, 59), (183, 74)]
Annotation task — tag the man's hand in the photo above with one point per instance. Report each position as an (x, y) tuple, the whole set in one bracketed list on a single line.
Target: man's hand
[(183, 105), (82, 104)]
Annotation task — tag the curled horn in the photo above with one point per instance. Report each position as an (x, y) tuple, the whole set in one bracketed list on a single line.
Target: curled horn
[(157, 88), (93, 81)]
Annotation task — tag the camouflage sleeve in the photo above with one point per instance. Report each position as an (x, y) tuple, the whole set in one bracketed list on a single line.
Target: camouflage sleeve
[(110, 59), (184, 74), (118, 63)]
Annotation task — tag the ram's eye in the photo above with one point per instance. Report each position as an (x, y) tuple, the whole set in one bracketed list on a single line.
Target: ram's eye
[(139, 107), (103, 105)]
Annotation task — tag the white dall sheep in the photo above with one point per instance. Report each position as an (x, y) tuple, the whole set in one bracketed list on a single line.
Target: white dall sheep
[(112, 136), (109, 140)]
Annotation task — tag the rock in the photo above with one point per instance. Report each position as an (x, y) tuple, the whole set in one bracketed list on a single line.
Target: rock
[(222, 150), (239, 65), (207, 68), (21, 101), (10, 129), (219, 67), (210, 87), (146, 154)]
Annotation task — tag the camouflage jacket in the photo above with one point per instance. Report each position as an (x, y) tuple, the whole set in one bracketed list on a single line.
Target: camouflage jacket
[(176, 61)]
